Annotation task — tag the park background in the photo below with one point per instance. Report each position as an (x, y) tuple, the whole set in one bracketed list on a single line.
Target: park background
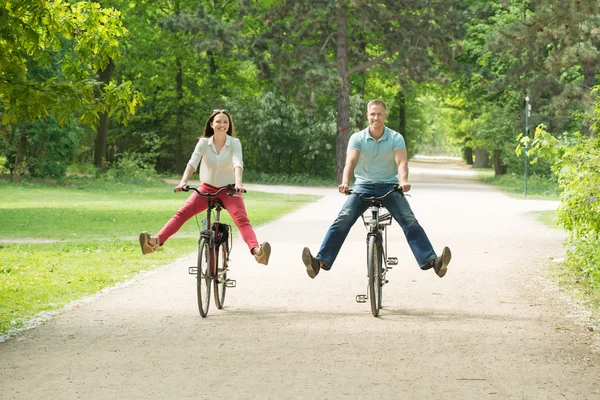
[(103, 100)]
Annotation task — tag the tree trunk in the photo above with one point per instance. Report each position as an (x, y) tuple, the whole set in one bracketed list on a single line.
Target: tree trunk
[(468, 155), (19, 156), (179, 158), (402, 114), (105, 76), (499, 166), (343, 111), (589, 74), (212, 64), (482, 158), (589, 81)]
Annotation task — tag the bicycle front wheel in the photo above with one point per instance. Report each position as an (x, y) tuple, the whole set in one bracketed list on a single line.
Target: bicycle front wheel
[(374, 261), (220, 277), (204, 279)]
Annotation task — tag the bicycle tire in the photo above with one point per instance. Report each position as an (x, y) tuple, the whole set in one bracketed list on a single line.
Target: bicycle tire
[(203, 278), (220, 276), (374, 260)]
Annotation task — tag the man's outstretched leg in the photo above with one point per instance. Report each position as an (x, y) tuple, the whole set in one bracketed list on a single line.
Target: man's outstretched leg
[(334, 238)]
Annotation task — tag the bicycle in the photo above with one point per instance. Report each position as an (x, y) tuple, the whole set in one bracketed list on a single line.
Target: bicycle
[(378, 263), (213, 253)]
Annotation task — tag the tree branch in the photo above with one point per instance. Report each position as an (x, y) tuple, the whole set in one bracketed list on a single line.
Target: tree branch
[(370, 63), (326, 40)]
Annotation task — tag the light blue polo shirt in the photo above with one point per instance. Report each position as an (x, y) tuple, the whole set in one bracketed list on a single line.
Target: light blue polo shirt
[(376, 163)]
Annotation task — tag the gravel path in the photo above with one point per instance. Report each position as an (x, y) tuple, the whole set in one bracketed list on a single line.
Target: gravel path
[(493, 328)]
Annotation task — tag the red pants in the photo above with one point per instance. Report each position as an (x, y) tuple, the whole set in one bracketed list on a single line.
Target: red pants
[(196, 204)]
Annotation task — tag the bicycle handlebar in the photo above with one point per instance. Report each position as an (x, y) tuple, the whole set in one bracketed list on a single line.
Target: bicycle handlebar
[(396, 188), (231, 189)]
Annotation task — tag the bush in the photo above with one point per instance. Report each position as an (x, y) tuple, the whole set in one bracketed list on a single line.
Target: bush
[(577, 165), (279, 137), (132, 168), (46, 148)]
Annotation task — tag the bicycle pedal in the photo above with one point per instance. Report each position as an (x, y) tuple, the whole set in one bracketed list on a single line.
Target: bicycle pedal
[(361, 298), (193, 270), (230, 283), (392, 261)]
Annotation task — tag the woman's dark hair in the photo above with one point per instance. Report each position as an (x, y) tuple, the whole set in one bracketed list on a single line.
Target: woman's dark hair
[(209, 131)]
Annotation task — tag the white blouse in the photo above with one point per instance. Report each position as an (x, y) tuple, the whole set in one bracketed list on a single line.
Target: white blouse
[(217, 169)]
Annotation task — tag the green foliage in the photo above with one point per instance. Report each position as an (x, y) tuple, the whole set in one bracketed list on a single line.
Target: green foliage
[(430, 127), (279, 137), (34, 32), (133, 168), (136, 166), (51, 148), (45, 148), (576, 162)]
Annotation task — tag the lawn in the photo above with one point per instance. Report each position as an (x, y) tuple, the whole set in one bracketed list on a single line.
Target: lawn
[(538, 187), (61, 243)]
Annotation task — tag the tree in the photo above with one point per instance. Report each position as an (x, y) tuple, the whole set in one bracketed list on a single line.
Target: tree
[(319, 46), (86, 37)]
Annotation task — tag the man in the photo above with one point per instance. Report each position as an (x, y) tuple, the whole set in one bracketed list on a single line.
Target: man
[(377, 158)]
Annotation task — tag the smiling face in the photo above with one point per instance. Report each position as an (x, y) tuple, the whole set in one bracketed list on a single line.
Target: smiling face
[(220, 123), (377, 116)]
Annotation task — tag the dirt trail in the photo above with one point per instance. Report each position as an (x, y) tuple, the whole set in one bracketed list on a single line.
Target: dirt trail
[(493, 328)]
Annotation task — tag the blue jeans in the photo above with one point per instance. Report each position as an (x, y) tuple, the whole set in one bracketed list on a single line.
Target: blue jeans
[(354, 207)]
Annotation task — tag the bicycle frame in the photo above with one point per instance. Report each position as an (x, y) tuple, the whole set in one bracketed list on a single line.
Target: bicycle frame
[(208, 253), (376, 226), (376, 248), (215, 204)]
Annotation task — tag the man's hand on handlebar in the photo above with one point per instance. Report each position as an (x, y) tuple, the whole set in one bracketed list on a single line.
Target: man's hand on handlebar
[(405, 186), (343, 188)]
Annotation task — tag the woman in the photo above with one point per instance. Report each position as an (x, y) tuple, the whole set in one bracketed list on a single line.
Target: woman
[(221, 156)]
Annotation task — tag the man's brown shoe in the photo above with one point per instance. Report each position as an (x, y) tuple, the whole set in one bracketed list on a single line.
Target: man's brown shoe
[(311, 263), (440, 264)]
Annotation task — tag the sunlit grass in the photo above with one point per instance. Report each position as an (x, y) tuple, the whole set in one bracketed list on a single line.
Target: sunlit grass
[(538, 187), (548, 218)]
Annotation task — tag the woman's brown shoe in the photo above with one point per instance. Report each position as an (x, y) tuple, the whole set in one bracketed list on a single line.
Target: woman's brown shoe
[(147, 248), (263, 253)]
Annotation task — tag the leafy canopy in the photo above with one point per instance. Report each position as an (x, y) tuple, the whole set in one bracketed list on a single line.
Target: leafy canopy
[(81, 37)]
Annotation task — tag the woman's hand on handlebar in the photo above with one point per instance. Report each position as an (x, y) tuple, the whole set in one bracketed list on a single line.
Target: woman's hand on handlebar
[(239, 188), (179, 187)]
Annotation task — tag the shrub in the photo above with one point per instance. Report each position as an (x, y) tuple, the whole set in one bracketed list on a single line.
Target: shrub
[(576, 162)]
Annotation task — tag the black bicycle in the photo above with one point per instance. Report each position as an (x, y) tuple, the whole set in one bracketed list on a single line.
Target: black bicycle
[(213, 253), (378, 263)]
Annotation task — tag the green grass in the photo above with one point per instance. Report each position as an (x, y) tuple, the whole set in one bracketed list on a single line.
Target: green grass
[(548, 218), (538, 187), (93, 231)]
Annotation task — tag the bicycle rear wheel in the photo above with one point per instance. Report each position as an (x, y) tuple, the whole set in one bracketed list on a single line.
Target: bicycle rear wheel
[(374, 260), (220, 277), (203, 279)]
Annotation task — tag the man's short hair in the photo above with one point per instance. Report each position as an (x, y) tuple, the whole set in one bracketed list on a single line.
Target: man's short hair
[(377, 102)]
